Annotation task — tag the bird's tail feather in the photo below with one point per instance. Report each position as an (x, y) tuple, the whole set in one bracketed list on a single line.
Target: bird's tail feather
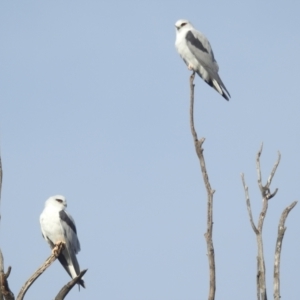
[(215, 82), (221, 89), (70, 264), (219, 86)]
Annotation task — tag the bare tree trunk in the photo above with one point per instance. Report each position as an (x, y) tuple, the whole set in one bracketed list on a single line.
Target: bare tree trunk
[(281, 231), (210, 192), (1, 256), (5, 292), (1, 174)]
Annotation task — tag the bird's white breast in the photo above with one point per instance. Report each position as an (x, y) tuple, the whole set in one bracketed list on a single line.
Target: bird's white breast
[(51, 225), (184, 51)]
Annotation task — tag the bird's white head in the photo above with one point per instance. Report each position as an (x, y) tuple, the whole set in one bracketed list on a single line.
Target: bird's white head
[(182, 23), (58, 201)]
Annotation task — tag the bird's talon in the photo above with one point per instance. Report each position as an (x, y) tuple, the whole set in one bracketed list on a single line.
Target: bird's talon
[(58, 248)]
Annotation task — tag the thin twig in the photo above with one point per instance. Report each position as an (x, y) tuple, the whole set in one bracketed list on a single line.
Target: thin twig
[(192, 86), (208, 235), (67, 288), (269, 181), (55, 253), (265, 189), (281, 231), (258, 166), (248, 204)]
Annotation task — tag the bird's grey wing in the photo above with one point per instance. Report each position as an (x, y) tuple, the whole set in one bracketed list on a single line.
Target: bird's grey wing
[(70, 231), (68, 256), (201, 49)]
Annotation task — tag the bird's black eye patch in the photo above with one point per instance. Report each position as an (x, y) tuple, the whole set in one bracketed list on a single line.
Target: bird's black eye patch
[(183, 24), (59, 200)]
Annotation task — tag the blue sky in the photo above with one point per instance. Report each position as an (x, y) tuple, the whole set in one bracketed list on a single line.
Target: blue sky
[(94, 106)]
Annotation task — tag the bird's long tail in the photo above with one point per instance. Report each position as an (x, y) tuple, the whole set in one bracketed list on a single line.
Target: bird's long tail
[(69, 261), (219, 86)]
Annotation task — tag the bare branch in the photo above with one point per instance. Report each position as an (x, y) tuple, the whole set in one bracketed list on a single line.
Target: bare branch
[(67, 288), (265, 189), (55, 253), (258, 169), (248, 204), (266, 195), (269, 181), (281, 231), (1, 256), (5, 292), (1, 174), (192, 86), (208, 235), (257, 280)]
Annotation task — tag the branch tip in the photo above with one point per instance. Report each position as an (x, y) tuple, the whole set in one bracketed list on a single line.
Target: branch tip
[(67, 288)]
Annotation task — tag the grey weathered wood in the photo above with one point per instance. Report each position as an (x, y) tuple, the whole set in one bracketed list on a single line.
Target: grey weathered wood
[(210, 192), (67, 288), (55, 253), (266, 196), (281, 231)]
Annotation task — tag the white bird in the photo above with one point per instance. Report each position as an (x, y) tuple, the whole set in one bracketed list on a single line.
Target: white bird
[(58, 226), (195, 50)]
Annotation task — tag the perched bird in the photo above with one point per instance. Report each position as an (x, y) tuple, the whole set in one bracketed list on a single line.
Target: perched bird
[(58, 226), (195, 50)]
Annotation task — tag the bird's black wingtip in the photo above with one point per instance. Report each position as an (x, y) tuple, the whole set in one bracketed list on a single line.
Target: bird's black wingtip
[(225, 97)]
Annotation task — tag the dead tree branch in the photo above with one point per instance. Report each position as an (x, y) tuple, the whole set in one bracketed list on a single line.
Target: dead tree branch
[(1, 174), (266, 195), (5, 292), (249, 205), (208, 235), (281, 231), (55, 253), (1, 256), (67, 288)]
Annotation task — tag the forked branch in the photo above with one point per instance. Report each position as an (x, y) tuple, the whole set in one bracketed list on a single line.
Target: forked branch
[(266, 195), (265, 189), (208, 235)]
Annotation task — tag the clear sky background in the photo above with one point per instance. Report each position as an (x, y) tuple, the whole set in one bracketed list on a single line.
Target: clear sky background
[(95, 106)]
